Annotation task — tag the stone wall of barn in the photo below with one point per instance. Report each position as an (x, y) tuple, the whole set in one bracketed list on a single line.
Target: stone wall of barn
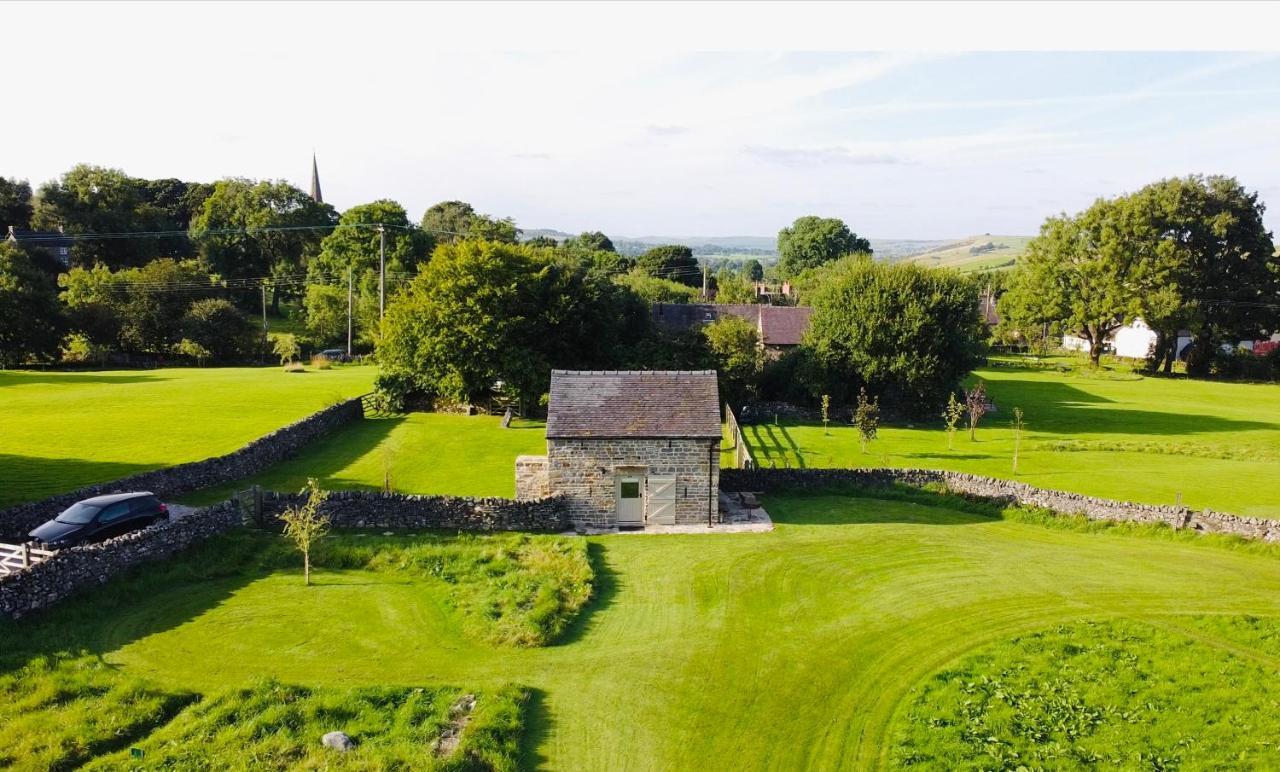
[(531, 478), (585, 473)]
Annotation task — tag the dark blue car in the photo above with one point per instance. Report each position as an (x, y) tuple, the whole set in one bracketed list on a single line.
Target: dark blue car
[(100, 518)]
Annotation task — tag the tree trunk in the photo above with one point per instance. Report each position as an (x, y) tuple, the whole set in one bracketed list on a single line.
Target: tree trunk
[(306, 568)]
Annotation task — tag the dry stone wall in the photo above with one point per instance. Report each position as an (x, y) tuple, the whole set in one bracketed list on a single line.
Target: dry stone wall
[(72, 570), (1005, 492), (263, 452), (365, 509), (585, 472)]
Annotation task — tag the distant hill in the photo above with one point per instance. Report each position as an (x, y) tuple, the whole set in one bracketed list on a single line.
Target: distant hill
[(976, 253)]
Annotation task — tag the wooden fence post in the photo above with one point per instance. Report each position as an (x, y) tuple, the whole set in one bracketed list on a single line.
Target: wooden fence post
[(26, 555)]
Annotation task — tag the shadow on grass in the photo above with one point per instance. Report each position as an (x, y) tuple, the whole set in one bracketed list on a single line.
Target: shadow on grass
[(149, 598), (28, 478), (944, 456), (607, 585), (854, 505), (322, 460), (538, 724), (31, 377), (795, 449)]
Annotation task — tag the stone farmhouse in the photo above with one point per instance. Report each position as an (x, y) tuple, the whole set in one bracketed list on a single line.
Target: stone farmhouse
[(627, 449)]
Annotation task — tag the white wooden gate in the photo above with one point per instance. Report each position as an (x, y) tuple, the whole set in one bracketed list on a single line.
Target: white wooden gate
[(660, 503), (15, 557)]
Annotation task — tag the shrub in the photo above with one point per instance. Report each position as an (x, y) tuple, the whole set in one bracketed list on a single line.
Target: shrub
[(321, 362), (294, 367)]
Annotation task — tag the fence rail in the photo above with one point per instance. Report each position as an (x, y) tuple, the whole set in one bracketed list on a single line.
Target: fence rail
[(15, 557), (742, 458)]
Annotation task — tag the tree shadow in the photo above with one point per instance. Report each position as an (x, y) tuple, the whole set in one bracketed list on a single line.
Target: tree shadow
[(62, 378), (795, 448), (606, 587), (538, 723), (1051, 406), (854, 505), (950, 456), (323, 460)]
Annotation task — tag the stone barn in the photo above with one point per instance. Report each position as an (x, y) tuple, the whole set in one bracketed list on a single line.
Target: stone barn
[(629, 449)]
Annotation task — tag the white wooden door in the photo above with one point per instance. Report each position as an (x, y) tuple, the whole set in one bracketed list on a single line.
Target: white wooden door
[(630, 503), (661, 503)]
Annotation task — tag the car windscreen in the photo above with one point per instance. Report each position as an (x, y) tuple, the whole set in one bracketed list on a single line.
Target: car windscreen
[(78, 514)]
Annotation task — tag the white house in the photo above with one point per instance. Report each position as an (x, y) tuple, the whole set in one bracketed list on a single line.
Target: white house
[(1133, 341)]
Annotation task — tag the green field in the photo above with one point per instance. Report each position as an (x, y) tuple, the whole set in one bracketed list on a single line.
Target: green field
[(815, 646), (63, 430), (423, 452), (976, 253), (1113, 434)]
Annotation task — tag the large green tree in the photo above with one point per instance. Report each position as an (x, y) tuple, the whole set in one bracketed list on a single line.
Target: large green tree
[(1084, 271), (481, 312), (812, 241), (734, 345), (452, 221), (674, 262), (591, 241), (355, 243), (95, 200), (906, 333), (15, 204), (30, 319), (221, 329), (258, 229), (1209, 265)]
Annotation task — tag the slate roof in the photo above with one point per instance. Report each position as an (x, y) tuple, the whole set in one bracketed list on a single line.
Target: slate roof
[(633, 403), (777, 325), (783, 325)]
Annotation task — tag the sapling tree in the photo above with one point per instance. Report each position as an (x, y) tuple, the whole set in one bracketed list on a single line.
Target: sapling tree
[(866, 417), (826, 412), (286, 347), (305, 524), (975, 402), (951, 415), (1018, 426)]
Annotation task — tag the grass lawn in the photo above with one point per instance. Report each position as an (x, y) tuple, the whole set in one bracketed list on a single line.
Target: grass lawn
[(425, 453), (820, 645), (1117, 435), (63, 430)]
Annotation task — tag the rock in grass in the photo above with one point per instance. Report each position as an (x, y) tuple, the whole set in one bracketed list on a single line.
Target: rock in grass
[(339, 741)]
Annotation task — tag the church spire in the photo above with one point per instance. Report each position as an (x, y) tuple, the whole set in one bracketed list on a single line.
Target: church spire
[(315, 181)]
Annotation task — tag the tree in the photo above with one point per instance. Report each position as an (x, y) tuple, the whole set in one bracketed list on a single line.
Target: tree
[(150, 312), (221, 329), (653, 290), (1018, 426), (483, 311), (326, 313), (674, 262), (305, 525), (30, 319), (448, 221), (735, 347), (826, 412), (1208, 265), (15, 204), (866, 417), (542, 241), (975, 403), (285, 345), (93, 199), (253, 229), (814, 241), (189, 348), (753, 270), (733, 288), (905, 332), (488, 228), (591, 241), (951, 415)]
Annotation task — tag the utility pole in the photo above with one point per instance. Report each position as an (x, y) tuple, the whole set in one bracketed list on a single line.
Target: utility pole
[(382, 272), (704, 281), (264, 320), (348, 312)]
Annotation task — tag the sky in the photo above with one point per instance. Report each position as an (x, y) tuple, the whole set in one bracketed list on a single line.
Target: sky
[(631, 139)]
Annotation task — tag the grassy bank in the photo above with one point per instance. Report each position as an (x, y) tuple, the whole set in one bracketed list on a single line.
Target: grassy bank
[(64, 430)]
